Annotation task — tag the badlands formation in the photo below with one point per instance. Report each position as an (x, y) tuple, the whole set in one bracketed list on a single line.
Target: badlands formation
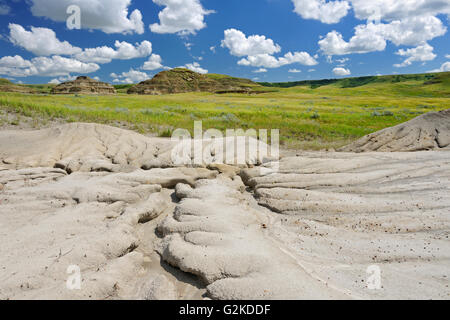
[(84, 85), (181, 80), (138, 226)]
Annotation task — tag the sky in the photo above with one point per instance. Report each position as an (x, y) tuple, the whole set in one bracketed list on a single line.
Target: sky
[(128, 41)]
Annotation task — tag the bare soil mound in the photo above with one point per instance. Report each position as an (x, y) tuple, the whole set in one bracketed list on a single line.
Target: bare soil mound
[(181, 80), (430, 131), (90, 147), (84, 85)]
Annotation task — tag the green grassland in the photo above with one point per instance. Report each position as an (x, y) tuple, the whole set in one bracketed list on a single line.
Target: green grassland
[(310, 115)]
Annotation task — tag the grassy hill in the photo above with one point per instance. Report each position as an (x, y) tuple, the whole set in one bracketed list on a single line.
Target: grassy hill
[(312, 115), (123, 88), (4, 81), (426, 79)]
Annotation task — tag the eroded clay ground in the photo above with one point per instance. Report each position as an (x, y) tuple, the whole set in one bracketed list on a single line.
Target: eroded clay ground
[(112, 203)]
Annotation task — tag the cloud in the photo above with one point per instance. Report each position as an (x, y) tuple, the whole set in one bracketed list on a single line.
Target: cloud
[(63, 79), (294, 71), (412, 31), (361, 42), (195, 66), (444, 68), (341, 72), (373, 10), (40, 41), (180, 16), (325, 11), (4, 9), (259, 51), (123, 51), (447, 56), (391, 10), (153, 63), (15, 62), (420, 53), (373, 37), (260, 70), (43, 42), (44, 66), (343, 60), (108, 16), (239, 45), (268, 61), (132, 76)]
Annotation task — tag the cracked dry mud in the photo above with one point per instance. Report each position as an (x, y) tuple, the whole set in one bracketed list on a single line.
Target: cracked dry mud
[(112, 203)]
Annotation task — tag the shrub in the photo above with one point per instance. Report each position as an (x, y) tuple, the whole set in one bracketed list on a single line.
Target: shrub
[(315, 116)]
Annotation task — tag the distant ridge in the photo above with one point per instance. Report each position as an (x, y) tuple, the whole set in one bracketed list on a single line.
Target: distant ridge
[(428, 78), (8, 86)]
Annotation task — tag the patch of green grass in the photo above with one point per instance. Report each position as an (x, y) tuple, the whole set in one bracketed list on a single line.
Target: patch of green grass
[(5, 81), (123, 88), (328, 116)]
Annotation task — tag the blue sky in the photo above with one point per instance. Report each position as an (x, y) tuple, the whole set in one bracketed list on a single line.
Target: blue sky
[(124, 41)]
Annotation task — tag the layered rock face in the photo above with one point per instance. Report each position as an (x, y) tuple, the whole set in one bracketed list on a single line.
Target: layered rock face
[(430, 131), (181, 80), (84, 85)]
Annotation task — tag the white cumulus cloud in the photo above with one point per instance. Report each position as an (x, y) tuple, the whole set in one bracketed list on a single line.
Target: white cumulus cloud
[(63, 79), (195, 66), (258, 51), (40, 41), (153, 63), (341, 72), (445, 67), (398, 9), (322, 10), (240, 45), (373, 37), (268, 61), (180, 16), (44, 66), (43, 42), (123, 51), (421, 53), (260, 70), (110, 16), (54, 81), (129, 77)]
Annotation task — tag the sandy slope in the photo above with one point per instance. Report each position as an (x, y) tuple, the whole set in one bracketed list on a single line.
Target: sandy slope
[(111, 202), (430, 131)]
